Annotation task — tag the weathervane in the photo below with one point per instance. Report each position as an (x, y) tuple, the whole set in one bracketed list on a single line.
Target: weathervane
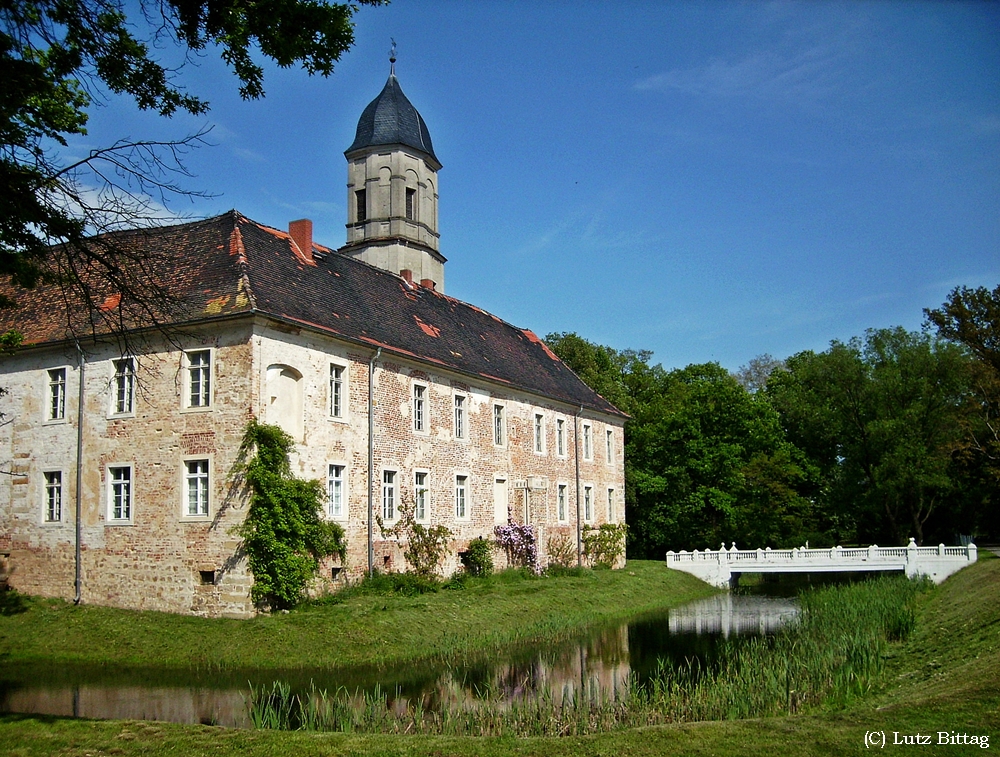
[(392, 58)]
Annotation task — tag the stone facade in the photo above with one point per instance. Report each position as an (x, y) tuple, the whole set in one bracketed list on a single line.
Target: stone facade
[(163, 558)]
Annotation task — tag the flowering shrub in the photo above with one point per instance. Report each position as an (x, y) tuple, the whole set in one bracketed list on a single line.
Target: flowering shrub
[(519, 542)]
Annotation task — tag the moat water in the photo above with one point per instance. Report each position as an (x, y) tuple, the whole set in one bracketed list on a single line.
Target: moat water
[(608, 659)]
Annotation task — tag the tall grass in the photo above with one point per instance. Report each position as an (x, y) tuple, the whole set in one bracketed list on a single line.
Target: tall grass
[(834, 654)]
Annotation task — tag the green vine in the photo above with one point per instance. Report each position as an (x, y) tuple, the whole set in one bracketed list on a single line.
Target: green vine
[(603, 546), (284, 534)]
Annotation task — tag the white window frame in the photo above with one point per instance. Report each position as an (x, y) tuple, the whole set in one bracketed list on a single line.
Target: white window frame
[(588, 441), (422, 496), (203, 498), (123, 387), (561, 437), (126, 515), (463, 496), (204, 372), (499, 424), (460, 423), (390, 495), (52, 496), (588, 504), (562, 512), (421, 407), (609, 448), (55, 395), (336, 481), (538, 433), (612, 505), (337, 392)]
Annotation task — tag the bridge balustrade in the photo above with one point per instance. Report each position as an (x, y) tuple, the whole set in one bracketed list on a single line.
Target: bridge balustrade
[(722, 567)]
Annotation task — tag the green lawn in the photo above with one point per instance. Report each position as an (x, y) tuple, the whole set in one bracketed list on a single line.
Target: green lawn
[(365, 630), (946, 677)]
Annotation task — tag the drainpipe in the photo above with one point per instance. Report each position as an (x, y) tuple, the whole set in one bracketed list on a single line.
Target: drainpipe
[(576, 457), (79, 475), (371, 459)]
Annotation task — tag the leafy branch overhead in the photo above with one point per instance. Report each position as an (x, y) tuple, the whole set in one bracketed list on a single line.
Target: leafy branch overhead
[(58, 56)]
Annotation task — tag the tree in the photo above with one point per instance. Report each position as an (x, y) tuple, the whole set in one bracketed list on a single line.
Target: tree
[(754, 375), (704, 459), (56, 56), (882, 420), (971, 317), (710, 464)]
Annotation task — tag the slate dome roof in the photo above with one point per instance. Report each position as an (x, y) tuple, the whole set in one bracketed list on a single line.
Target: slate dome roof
[(390, 119)]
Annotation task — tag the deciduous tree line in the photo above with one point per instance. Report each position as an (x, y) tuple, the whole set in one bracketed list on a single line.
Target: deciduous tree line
[(884, 437)]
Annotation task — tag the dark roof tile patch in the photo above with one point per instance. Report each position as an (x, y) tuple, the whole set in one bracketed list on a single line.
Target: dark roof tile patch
[(228, 265)]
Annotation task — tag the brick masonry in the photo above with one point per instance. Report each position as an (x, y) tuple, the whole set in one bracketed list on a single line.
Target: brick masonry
[(162, 559)]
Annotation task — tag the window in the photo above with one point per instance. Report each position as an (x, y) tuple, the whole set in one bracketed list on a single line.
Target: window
[(199, 374), (411, 209), (419, 408), (389, 495), (609, 438), (53, 496), (499, 426), (335, 491), (561, 503), (611, 505), (57, 394), (420, 495), (120, 493), (336, 391), (539, 433), (361, 205), (124, 397), (461, 496), (196, 479), (588, 503), (459, 416), (588, 443), (561, 437)]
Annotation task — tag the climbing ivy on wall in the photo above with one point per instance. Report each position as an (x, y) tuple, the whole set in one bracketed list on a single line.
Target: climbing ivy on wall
[(284, 534)]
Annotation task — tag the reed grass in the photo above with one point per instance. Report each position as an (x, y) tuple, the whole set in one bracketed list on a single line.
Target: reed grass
[(831, 657)]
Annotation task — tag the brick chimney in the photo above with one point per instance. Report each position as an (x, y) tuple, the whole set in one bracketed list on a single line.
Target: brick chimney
[(427, 283), (407, 275), (301, 232)]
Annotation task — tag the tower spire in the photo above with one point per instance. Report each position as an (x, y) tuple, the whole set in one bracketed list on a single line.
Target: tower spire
[(392, 57)]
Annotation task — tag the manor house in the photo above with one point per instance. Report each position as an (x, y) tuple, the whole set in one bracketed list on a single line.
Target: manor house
[(397, 395)]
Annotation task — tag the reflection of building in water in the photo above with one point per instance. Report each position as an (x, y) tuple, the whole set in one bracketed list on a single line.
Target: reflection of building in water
[(172, 704), (600, 667), (733, 614)]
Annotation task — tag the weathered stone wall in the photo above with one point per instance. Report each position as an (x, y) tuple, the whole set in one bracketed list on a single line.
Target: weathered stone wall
[(436, 451), (163, 559), (155, 559)]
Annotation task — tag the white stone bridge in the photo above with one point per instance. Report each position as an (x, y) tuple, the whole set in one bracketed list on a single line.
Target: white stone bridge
[(723, 567)]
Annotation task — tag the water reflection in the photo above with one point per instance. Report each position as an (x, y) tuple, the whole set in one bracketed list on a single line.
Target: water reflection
[(606, 660)]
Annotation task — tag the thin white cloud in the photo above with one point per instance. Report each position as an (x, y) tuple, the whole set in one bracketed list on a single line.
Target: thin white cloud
[(810, 75)]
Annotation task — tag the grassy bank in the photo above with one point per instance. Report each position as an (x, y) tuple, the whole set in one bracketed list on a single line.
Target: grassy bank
[(943, 678), (362, 631)]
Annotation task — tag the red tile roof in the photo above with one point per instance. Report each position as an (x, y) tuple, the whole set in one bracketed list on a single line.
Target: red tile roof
[(230, 265)]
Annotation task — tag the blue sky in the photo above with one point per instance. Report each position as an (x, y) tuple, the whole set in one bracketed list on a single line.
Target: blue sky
[(706, 180)]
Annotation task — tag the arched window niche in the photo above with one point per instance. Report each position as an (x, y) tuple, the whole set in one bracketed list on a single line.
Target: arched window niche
[(283, 398)]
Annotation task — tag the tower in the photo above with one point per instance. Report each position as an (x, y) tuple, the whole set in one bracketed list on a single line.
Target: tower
[(392, 189)]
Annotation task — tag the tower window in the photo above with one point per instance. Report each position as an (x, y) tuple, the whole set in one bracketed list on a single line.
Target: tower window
[(362, 206), (411, 210)]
